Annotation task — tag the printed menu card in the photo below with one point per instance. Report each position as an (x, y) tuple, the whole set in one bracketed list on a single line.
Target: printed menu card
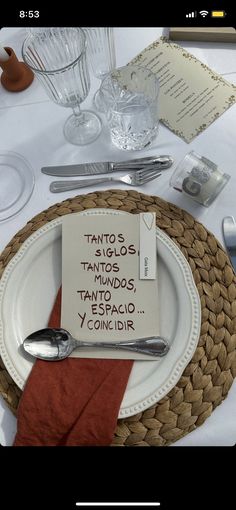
[(109, 280), (191, 95)]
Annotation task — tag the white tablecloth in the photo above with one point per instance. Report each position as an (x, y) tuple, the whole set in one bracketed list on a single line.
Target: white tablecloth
[(31, 125)]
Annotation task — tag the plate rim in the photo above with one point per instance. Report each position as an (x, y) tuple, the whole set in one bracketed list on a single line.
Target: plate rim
[(29, 182), (190, 285)]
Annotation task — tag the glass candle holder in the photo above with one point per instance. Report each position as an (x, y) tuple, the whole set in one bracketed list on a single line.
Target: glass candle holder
[(199, 178)]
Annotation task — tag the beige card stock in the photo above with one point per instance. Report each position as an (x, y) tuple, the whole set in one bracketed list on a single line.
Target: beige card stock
[(103, 297), (191, 95)]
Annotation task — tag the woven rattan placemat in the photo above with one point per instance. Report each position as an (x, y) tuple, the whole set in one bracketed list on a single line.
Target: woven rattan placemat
[(207, 378)]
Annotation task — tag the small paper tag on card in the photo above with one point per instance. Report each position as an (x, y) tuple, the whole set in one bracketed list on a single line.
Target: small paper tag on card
[(147, 246)]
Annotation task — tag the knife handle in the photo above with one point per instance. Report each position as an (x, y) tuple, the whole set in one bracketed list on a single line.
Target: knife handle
[(159, 161), (59, 186)]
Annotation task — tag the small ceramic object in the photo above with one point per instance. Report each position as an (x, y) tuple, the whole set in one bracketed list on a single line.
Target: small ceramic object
[(16, 75)]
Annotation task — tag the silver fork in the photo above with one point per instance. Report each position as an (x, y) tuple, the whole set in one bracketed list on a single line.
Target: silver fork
[(137, 178)]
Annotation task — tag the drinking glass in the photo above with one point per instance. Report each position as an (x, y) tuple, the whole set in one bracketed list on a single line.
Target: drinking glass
[(130, 102), (58, 58), (102, 57)]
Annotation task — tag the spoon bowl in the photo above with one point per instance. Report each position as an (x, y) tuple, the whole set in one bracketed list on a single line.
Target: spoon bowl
[(54, 344)]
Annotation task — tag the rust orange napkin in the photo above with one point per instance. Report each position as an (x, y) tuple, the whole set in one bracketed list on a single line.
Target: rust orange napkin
[(74, 402)]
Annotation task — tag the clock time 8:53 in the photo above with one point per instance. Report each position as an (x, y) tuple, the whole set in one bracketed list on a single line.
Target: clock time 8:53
[(29, 14)]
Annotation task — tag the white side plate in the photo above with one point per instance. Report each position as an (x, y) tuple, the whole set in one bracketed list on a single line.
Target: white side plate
[(16, 183)]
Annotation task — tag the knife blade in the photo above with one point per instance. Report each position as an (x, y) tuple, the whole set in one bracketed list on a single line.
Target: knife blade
[(229, 232), (158, 162)]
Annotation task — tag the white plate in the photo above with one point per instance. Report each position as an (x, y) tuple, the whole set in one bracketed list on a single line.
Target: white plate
[(16, 183), (27, 292)]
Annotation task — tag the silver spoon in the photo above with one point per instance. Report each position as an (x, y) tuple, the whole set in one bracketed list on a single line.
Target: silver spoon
[(55, 343)]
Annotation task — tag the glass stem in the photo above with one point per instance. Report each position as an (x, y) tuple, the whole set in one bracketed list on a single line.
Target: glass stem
[(79, 116)]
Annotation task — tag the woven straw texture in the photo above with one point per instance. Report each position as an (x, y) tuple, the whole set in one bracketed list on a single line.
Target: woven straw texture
[(208, 377)]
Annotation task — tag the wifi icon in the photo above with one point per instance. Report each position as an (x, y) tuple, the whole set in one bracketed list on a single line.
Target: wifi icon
[(204, 13)]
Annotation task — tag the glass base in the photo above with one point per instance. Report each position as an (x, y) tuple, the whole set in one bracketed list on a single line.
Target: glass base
[(132, 141), (82, 129)]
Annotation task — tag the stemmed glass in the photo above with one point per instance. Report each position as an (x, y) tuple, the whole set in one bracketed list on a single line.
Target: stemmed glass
[(102, 57), (58, 57)]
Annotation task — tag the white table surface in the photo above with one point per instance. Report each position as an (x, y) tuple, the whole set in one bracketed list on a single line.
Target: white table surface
[(31, 125)]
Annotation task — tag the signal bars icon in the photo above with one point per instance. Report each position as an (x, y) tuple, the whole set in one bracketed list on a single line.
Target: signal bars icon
[(191, 14)]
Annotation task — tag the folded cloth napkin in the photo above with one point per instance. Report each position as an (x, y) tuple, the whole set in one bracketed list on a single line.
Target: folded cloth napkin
[(74, 402)]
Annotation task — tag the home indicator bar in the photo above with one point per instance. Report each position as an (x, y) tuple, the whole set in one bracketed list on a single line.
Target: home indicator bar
[(150, 504)]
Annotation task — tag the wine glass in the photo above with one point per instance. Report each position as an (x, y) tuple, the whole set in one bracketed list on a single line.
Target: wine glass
[(102, 57), (58, 58)]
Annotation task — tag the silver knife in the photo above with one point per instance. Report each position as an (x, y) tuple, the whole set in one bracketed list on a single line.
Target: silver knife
[(229, 231), (158, 162)]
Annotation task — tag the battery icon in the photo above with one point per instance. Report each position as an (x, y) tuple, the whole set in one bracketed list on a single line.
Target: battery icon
[(217, 14)]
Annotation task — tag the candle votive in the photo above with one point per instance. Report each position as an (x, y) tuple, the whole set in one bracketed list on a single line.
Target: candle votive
[(199, 178)]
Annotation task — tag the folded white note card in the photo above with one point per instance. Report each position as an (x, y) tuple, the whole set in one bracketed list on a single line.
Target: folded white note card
[(103, 297)]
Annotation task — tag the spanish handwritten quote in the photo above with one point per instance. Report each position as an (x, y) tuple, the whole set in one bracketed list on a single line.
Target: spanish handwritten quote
[(106, 315)]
